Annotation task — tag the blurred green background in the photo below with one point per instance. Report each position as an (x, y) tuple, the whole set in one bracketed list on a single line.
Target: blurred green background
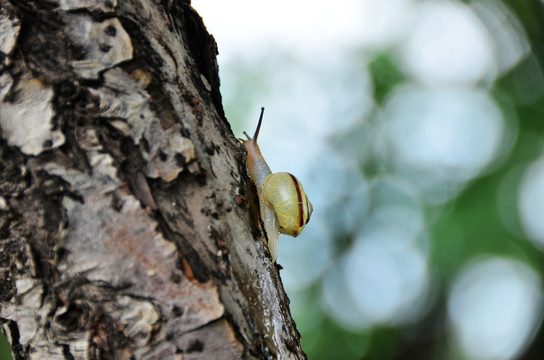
[(417, 130)]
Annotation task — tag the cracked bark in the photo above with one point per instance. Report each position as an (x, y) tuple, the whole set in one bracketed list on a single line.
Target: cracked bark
[(127, 218)]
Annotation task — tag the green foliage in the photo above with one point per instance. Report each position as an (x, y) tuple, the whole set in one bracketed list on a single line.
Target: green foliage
[(385, 75), (5, 350)]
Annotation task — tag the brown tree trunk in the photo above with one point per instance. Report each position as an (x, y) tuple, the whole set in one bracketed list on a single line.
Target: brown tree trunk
[(128, 226)]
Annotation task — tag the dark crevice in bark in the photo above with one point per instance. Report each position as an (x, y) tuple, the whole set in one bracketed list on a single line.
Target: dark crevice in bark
[(203, 48), (16, 347), (42, 43)]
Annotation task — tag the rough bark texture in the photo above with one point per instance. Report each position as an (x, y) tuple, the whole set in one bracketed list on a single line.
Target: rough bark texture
[(127, 219)]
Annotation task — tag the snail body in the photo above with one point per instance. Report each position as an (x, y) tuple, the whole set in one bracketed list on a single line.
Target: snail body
[(283, 204)]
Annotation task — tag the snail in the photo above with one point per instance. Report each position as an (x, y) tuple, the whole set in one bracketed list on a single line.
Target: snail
[(283, 204)]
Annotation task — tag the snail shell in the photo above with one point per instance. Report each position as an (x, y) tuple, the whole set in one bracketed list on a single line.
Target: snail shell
[(283, 193)]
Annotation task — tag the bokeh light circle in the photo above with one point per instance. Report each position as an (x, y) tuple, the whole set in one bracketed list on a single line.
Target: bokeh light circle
[(448, 44), (443, 137), (531, 203), (494, 306)]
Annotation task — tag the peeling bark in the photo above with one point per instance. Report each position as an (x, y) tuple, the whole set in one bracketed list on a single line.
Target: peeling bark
[(127, 219)]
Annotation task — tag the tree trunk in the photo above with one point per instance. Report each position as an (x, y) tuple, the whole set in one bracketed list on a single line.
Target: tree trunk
[(128, 223)]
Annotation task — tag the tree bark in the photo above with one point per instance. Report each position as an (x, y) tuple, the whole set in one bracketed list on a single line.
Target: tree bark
[(129, 228)]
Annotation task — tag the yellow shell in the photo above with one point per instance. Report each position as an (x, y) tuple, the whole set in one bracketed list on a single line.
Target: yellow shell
[(283, 193)]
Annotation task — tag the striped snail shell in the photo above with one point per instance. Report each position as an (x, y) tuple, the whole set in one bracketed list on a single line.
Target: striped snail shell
[(283, 193)]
